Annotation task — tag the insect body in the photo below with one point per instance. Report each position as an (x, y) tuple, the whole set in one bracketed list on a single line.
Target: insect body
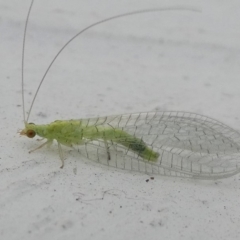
[(79, 132), (168, 143)]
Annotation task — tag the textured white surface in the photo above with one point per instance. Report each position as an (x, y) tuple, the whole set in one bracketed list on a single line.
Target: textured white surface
[(176, 60)]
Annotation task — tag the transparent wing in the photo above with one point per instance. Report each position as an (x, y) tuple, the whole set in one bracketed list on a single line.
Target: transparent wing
[(189, 145)]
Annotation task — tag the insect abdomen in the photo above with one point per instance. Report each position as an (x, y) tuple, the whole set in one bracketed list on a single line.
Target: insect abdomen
[(121, 137), (133, 143)]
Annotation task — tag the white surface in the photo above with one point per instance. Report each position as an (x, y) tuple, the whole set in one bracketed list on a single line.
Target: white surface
[(174, 60)]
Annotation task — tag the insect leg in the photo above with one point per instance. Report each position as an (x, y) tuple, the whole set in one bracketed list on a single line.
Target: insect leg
[(107, 150), (48, 142), (61, 154)]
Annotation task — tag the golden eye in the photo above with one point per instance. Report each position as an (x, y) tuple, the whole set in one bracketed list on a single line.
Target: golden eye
[(30, 133)]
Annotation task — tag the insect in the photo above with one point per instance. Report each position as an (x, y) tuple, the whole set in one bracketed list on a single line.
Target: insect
[(169, 143)]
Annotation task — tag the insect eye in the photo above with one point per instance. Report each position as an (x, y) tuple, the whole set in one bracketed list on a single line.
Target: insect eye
[(30, 133)]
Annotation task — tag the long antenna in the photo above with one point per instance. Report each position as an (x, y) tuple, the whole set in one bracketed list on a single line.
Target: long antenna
[(95, 24), (23, 55)]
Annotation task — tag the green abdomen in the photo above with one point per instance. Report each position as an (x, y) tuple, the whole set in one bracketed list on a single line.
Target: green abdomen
[(123, 138)]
